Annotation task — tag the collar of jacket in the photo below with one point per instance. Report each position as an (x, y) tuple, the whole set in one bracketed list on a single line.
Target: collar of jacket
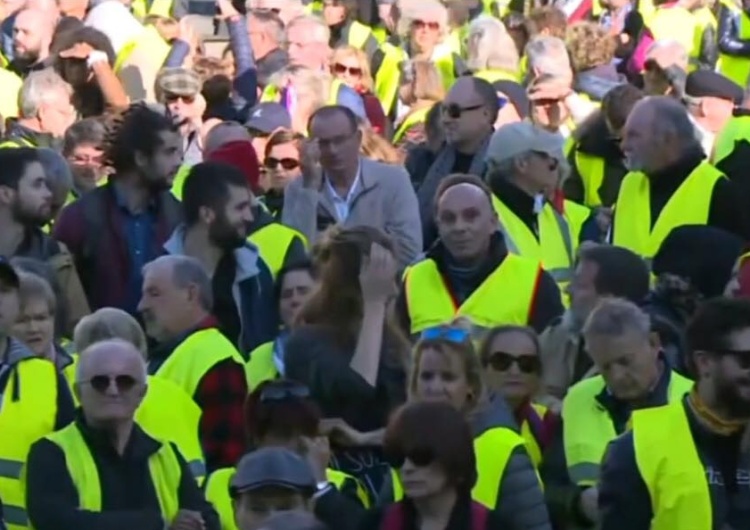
[(658, 396), (670, 178), (246, 257), (261, 218), (520, 203), (140, 445), (163, 350), (39, 139), (15, 352)]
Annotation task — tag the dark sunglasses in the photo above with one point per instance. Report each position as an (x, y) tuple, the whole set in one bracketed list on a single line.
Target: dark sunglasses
[(501, 362), (451, 334), (283, 392), (171, 98), (285, 163), (419, 456), (455, 111), (421, 24), (553, 162), (123, 383), (339, 68)]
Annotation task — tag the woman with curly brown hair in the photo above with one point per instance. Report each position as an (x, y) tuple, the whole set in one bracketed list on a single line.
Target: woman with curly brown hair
[(345, 350), (592, 50)]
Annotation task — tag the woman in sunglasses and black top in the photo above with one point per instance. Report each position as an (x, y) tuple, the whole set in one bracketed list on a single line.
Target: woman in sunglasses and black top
[(280, 167), (513, 369), (430, 445), (447, 368), (281, 413)]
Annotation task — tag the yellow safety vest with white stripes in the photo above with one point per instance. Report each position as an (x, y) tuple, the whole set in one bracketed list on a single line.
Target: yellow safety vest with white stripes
[(588, 428), (163, 465), (28, 408), (671, 468)]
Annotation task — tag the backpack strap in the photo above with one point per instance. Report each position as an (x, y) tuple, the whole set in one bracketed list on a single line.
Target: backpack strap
[(479, 515), (394, 517)]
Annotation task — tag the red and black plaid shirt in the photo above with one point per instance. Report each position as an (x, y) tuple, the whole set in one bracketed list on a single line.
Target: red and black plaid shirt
[(221, 396)]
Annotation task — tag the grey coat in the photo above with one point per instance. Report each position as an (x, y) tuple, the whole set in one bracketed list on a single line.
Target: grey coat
[(385, 199)]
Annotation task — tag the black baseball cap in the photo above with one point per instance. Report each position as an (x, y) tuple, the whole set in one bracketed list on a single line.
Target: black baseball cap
[(273, 467), (8, 274)]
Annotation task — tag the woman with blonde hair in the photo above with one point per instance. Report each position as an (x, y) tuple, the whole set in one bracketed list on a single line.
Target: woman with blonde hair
[(167, 412), (446, 368), (424, 27), (492, 54), (351, 66), (420, 89), (377, 148)]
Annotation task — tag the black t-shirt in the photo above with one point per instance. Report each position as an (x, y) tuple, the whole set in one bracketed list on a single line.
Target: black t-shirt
[(225, 309), (462, 163)]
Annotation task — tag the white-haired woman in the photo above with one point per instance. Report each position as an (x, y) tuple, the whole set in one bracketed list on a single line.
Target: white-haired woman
[(425, 28), (491, 54)]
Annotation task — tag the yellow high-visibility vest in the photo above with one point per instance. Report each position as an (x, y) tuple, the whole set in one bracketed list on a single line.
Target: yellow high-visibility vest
[(505, 297), (736, 67), (141, 10), (554, 247), (689, 205), (413, 118), (704, 19), (217, 492), (260, 367), (588, 428), (675, 23), (591, 168), (149, 39), (446, 67), (28, 407), (16, 142), (358, 35), (197, 354), (273, 241), (735, 130), (163, 465), (388, 76), (670, 467), (497, 75), (576, 215), (493, 449), (532, 444), (272, 93)]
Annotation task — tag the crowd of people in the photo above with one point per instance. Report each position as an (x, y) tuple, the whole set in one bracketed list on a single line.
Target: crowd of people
[(374, 264)]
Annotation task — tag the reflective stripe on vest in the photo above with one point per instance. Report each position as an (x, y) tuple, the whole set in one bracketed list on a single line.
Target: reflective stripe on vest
[(164, 468), (554, 246), (28, 408), (735, 130), (689, 205), (591, 168), (493, 449), (413, 118), (260, 367), (388, 76), (168, 413), (736, 67), (674, 23), (505, 297), (588, 428), (273, 241), (673, 472), (195, 356)]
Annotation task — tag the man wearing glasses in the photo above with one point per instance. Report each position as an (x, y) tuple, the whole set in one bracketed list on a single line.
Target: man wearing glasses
[(34, 401), (103, 470)]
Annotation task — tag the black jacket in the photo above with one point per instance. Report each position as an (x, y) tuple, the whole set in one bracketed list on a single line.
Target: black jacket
[(729, 39), (725, 210), (128, 495), (547, 303), (593, 138), (561, 493), (624, 500)]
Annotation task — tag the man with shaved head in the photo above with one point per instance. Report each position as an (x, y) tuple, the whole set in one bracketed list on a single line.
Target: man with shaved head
[(191, 352), (32, 36), (470, 272), (103, 470), (670, 184)]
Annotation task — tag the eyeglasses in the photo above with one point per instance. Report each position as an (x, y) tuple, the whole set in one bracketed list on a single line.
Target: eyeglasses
[(171, 98), (451, 334), (421, 24), (455, 111), (285, 163), (101, 383), (282, 391), (501, 362), (419, 456), (340, 69)]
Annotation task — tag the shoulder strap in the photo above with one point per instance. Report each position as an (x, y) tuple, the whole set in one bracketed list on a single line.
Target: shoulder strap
[(393, 518), (479, 516)]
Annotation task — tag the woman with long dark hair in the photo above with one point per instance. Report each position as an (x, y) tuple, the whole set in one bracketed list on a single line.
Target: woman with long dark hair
[(345, 350)]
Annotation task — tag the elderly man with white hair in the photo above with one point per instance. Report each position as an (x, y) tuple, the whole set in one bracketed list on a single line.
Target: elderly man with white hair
[(103, 470), (492, 55)]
